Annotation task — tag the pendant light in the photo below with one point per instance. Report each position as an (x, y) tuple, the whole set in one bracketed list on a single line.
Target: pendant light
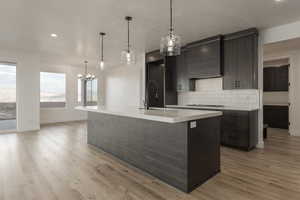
[(170, 45), (127, 55), (101, 60), (86, 76)]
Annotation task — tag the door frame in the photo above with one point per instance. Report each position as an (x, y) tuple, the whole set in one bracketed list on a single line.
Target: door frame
[(289, 58)]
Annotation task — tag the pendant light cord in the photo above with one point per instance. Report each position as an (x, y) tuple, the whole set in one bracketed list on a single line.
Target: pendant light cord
[(102, 47), (171, 16), (128, 38), (85, 62)]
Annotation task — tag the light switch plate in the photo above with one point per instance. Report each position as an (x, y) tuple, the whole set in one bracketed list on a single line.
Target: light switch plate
[(193, 124)]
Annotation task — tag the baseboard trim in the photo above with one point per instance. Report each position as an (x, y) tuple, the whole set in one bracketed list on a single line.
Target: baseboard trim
[(260, 145), (53, 123)]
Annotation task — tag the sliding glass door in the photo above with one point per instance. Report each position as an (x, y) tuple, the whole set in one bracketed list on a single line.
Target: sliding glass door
[(7, 96)]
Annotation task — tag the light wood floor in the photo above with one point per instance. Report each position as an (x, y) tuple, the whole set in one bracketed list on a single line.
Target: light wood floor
[(57, 164)]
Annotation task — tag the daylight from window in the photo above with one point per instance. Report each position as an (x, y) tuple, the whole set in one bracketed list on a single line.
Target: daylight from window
[(92, 91), (7, 97), (7, 83), (53, 87)]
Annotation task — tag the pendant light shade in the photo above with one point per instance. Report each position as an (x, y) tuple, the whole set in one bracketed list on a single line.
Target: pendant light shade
[(170, 45), (86, 76), (101, 64), (128, 54)]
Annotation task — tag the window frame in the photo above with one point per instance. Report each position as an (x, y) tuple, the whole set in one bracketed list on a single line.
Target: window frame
[(54, 105)]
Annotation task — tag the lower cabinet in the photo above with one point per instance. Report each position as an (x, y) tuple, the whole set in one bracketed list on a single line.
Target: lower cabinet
[(240, 129), (276, 116)]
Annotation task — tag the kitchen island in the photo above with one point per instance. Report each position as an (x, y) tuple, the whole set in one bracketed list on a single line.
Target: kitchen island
[(179, 147)]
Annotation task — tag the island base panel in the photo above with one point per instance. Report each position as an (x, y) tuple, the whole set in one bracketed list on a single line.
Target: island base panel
[(158, 148)]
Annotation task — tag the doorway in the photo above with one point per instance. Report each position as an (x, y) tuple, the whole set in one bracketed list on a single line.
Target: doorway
[(8, 108), (276, 93)]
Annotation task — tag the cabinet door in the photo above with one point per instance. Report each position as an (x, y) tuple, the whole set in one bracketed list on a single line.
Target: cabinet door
[(276, 116), (235, 129), (267, 79), (170, 81), (240, 60), (245, 64), (204, 59), (282, 78), (230, 64), (182, 74)]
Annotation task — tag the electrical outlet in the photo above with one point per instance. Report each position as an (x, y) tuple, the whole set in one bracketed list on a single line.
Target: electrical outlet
[(193, 124)]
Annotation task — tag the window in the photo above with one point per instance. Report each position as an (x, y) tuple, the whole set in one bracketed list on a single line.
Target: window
[(52, 90), (92, 92), (7, 96)]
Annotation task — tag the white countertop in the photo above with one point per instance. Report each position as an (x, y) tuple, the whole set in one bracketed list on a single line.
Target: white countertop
[(155, 114), (214, 108)]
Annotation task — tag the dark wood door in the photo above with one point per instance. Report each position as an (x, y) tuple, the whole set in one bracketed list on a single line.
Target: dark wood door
[(245, 64), (155, 84), (276, 79), (240, 60), (276, 116), (230, 64), (203, 58), (171, 80), (282, 78), (182, 73), (235, 129)]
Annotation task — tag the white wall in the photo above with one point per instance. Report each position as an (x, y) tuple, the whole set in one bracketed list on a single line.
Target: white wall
[(124, 86), (281, 33), (27, 88)]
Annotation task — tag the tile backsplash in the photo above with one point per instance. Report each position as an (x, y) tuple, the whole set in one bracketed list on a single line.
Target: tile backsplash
[(210, 92)]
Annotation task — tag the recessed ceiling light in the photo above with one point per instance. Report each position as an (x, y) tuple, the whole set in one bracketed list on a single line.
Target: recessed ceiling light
[(54, 35), (278, 1)]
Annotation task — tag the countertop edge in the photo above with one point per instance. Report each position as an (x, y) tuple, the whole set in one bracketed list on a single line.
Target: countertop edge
[(212, 108), (157, 118)]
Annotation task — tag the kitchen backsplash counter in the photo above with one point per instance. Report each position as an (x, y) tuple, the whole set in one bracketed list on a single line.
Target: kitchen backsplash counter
[(227, 98)]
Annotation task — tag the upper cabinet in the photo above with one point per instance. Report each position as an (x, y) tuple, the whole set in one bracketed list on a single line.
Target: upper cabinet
[(183, 81), (203, 59), (276, 79), (241, 60)]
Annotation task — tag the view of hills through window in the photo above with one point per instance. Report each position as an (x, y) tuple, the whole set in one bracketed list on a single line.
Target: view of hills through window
[(52, 89), (7, 96)]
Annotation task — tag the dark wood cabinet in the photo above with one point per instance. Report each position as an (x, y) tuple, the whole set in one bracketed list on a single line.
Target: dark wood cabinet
[(204, 58), (240, 129), (183, 81), (276, 116), (241, 60), (276, 79), (170, 80)]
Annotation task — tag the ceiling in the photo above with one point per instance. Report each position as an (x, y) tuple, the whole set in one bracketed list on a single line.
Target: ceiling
[(26, 25)]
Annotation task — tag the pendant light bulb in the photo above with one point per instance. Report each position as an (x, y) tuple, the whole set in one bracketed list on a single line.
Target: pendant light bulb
[(102, 65), (128, 55), (170, 45), (101, 62)]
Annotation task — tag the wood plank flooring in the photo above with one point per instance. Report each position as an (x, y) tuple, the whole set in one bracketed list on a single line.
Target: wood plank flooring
[(55, 163)]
